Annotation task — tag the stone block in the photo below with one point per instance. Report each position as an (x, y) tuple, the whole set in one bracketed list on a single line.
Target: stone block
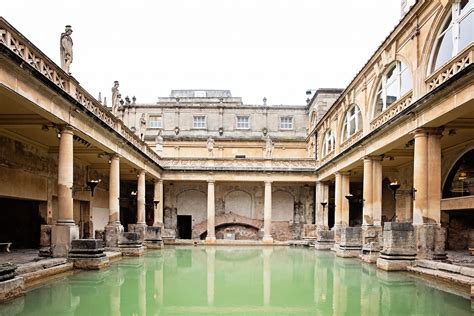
[(61, 237), (112, 233), (138, 228), (350, 244), (448, 267), (45, 241), (153, 238), (129, 238), (88, 254), (324, 240), (7, 271), (430, 242), (398, 251), (12, 288), (393, 265), (467, 271), (99, 234), (130, 244)]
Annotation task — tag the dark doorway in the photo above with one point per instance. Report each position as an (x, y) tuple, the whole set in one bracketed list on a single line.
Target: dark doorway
[(184, 226), (20, 223)]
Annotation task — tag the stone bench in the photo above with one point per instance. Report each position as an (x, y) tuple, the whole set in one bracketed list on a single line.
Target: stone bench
[(5, 246)]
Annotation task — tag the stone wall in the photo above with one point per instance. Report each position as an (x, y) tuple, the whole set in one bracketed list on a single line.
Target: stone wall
[(460, 230)]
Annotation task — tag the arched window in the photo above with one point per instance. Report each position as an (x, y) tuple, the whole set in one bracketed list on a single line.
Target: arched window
[(456, 33), (460, 181), (352, 122), (395, 82), (329, 143)]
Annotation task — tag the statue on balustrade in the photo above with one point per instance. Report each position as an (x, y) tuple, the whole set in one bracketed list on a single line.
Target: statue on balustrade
[(66, 49), (210, 146), (268, 147), (115, 97)]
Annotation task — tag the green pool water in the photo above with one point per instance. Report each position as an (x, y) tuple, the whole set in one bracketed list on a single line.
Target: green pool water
[(238, 281)]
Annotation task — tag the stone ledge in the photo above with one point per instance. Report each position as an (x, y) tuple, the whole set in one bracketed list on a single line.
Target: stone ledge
[(446, 267), (33, 278), (40, 265), (11, 289), (452, 277)]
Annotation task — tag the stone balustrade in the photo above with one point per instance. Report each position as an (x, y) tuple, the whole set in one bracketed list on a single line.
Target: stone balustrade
[(15, 42), (451, 68), (257, 164), (400, 105)]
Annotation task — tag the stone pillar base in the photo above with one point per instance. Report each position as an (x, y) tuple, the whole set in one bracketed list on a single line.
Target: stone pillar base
[(138, 228), (11, 289), (45, 241), (61, 237), (112, 233), (210, 240), (430, 242), (88, 254), (398, 250), (268, 240), (351, 242), (324, 239), (153, 238), (371, 243), (130, 244)]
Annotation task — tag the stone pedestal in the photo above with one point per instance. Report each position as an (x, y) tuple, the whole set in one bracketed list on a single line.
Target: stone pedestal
[(61, 237), (112, 233), (88, 254), (153, 238), (11, 286), (398, 249), (371, 243), (45, 241), (430, 242), (324, 239), (139, 228), (130, 244), (351, 242)]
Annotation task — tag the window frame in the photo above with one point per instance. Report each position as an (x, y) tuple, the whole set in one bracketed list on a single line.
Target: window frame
[(292, 122), (328, 140), (452, 22), (400, 69), (237, 122), (348, 118), (194, 121), (150, 125)]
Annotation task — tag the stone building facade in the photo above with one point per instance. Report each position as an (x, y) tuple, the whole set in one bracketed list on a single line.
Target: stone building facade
[(386, 159)]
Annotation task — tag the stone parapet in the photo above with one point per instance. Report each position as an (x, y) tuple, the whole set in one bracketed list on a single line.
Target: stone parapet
[(398, 251), (351, 242)]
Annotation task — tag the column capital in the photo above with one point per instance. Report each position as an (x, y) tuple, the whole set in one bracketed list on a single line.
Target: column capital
[(114, 156), (268, 182), (373, 158), (211, 181), (343, 173), (66, 129), (425, 131), (141, 172)]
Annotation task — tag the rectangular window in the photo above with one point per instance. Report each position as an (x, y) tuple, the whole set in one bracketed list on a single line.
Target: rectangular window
[(155, 122), (199, 121), (286, 122), (243, 122)]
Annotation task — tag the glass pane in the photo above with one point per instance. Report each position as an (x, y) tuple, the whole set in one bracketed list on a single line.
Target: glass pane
[(466, 5), (392, 94), (344, 132), (352, 127), (378, 104), (444, 49), (406, 82), (391, 75), (466, 32)]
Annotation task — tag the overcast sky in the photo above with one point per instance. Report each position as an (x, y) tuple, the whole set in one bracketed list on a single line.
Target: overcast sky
[(255, 48)]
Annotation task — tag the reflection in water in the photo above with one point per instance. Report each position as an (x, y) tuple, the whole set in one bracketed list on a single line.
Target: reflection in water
[(248, 281)]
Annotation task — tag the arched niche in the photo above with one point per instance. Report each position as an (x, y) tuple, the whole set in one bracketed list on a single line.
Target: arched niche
[(194, 203), (460, 180), (239, 202), (282, 206)]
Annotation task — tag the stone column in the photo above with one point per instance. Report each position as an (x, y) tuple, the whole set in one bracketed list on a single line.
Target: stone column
[(211, 212), (140, 226), (372, 209), (322, 192), (345, 188), (65, 178), (420, 176), (114, 228), (158, 207), (114, 191), (337, 207), (267, 213), (430, 236), (367, 213), (65, 229)]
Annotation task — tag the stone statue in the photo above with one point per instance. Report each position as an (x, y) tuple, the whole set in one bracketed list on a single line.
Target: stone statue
[(115, 97), (268, 147), (210, 146), (159, 142), (142, 126), (66, 49)]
